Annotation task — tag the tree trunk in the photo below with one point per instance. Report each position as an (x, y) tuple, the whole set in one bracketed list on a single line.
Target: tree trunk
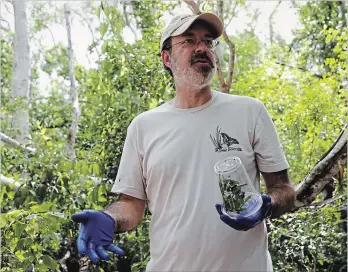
[(20, 74), (74, 97)]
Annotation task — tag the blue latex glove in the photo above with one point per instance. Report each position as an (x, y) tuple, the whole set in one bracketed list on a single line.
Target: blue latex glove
[(242, 222), (96, 235)]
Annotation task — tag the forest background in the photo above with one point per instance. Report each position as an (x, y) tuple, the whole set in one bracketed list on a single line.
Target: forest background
[(74, 74)]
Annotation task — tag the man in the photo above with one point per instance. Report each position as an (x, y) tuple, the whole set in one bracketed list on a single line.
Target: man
[(168, 160)]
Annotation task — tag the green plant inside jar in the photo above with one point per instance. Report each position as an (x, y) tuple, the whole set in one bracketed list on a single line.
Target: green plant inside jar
[(232, 194)]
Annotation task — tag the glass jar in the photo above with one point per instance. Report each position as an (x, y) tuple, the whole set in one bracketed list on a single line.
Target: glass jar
[(238, 193)]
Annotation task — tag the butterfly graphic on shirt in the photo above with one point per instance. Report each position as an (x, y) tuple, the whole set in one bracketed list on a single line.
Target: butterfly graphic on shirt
[(223, 142)]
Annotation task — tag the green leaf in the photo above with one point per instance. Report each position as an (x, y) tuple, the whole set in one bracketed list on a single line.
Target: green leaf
[(84, 169), (19, 228), (11, 195), (95, 195), (103, 28), (41, 208), (47, 260), (96, 169), (98, 11), (14, 213), (19, 255)]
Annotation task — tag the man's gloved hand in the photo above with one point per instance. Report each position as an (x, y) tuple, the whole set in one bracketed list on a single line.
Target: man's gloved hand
[(242, 222), (96, 235)]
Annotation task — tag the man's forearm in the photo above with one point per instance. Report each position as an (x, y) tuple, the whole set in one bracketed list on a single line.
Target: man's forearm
[(127, 212), (280, 189), (283, 198)]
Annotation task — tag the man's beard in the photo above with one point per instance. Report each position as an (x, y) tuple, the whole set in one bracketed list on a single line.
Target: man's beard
[(189, 76)]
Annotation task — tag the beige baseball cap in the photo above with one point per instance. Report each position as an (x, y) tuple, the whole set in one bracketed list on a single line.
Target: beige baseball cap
[(179, 24)]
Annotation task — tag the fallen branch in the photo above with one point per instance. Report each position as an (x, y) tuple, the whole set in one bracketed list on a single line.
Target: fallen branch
[(323, 203), (8, 140), (329, 166)]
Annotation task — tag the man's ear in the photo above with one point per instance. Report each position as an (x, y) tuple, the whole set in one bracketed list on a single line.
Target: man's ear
[(166, 58)]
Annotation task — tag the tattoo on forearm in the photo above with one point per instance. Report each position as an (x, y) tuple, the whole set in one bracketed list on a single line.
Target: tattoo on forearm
[(281, 190)]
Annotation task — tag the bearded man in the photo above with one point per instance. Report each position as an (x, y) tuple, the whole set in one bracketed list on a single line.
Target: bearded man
[(168, 161)]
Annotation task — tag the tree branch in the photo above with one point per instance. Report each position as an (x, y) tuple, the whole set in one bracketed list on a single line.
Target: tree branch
[(54, 41), (8, 28), (7, 7), (323, 172), (299, 68), (323, 203), (8, 140), (226, 88), (233, 13), (9, 181), (199, 4), (128, 23), (193, 6), (5, 29), (88, 23), (219, 73), (270, 20)]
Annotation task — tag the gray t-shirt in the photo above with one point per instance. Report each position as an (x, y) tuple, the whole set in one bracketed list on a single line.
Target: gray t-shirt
[(168, 159)]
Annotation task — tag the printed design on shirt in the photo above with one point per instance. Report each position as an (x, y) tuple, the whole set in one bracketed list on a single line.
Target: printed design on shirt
[(224, 142)]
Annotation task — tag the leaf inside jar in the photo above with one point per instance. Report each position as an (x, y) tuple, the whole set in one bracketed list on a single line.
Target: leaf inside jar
[(232, 194)]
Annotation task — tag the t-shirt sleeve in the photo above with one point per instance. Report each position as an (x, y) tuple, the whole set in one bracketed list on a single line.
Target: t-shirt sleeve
[(130, 179), (268, 150)]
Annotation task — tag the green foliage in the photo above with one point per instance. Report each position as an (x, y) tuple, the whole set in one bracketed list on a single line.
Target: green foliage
[(320, 245), (131, 80), (147, 14), (6, 72), (56, 59), (248, 49), (40, 222), (307, 110), (55, 188), (310, 42)]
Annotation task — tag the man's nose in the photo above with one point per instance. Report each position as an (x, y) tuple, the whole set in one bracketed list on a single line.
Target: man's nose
[(201, 47)]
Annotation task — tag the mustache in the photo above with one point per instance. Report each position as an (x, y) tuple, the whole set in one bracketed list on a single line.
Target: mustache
[(202, 56)]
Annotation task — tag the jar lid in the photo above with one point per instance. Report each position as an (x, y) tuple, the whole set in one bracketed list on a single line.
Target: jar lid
[(227, 165)]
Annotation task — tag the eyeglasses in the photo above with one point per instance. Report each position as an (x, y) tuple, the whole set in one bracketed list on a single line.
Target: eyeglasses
[(193, 42)]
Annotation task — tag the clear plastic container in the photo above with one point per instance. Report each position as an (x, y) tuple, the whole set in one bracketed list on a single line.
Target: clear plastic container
[(236, 188)]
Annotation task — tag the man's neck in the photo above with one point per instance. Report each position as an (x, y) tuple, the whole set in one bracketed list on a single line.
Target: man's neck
[(188, 98)]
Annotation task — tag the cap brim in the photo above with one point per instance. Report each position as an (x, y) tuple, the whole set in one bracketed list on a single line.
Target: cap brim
[(208, 17)]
